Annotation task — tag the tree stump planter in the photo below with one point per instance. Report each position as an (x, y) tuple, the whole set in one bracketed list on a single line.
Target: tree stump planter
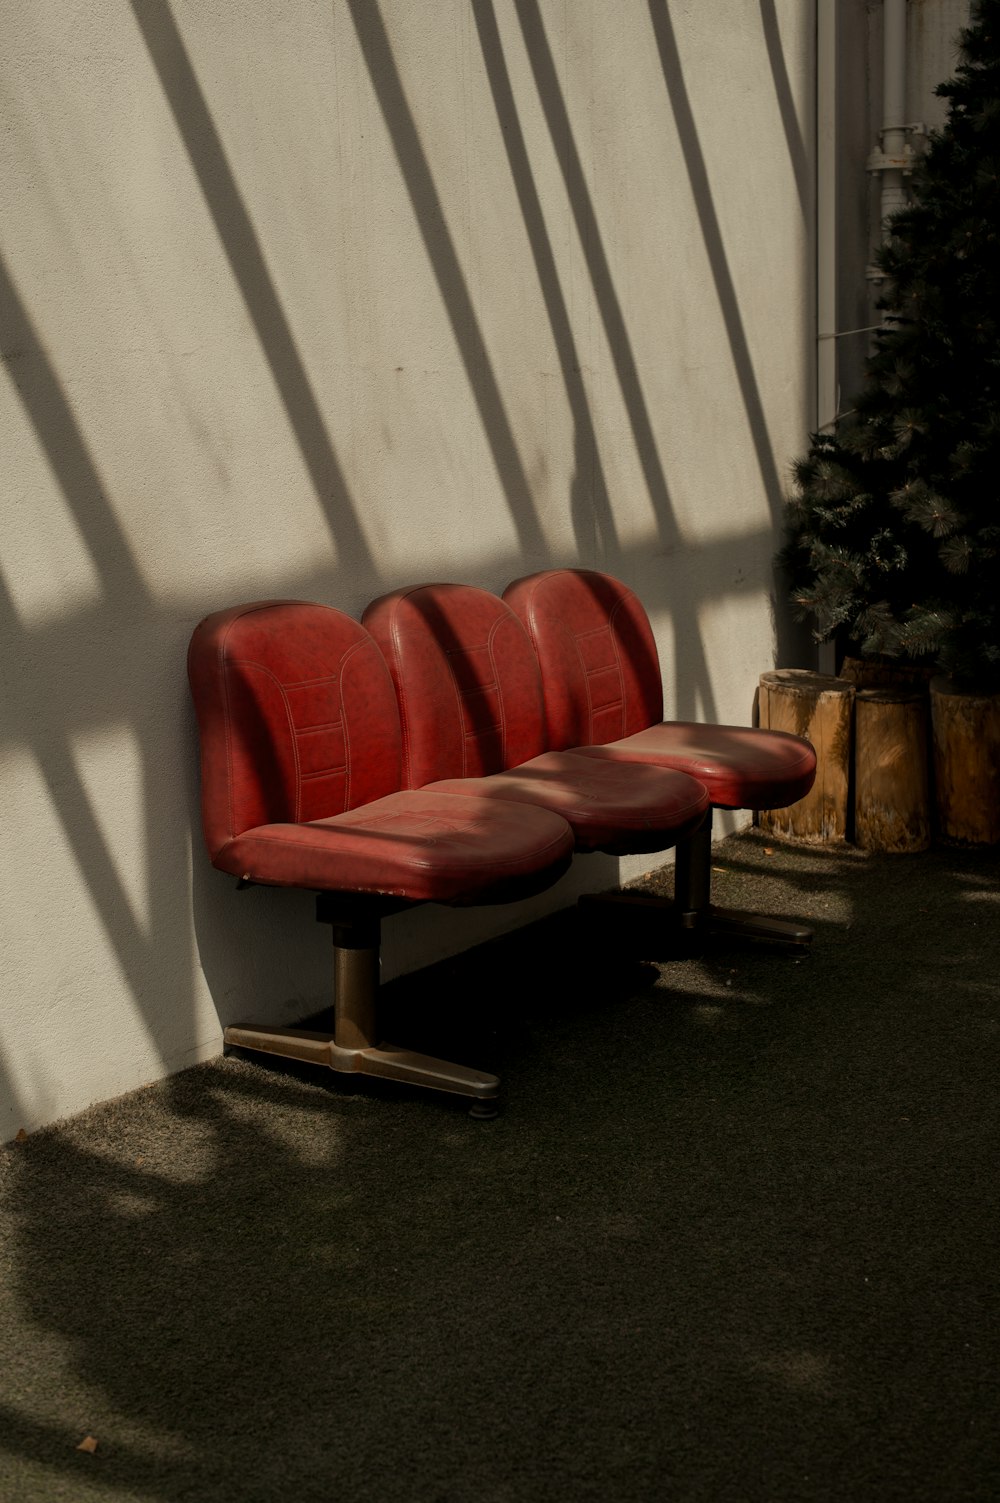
[(891, 783), (965, 731), (819, 707), (865, 674)]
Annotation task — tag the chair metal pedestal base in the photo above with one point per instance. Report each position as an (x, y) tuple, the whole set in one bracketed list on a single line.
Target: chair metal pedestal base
[(692, 887), (352, 1046), (736, 924), (692, 913)]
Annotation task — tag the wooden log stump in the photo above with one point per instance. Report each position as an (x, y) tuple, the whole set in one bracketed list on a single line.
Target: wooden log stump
[(820, 708), (891, 785), (966, 740), (864, 673)]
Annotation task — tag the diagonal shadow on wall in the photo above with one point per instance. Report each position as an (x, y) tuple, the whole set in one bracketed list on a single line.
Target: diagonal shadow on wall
[(429, 212), (598, 266), (789, 639), (87, 647), (246, 259), (691, 678), (83, 669), (701, 191), (590, 504), (41, 395), (797, 154)]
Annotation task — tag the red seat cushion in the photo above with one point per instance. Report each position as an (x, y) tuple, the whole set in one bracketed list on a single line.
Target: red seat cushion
[(466, 678), (610, 807), (470, 697), (596, 652), (601, 680), (424, 846), (742, 767), (296, 713), (301, 769)]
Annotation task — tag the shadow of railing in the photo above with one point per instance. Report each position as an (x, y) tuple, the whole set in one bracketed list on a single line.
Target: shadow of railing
[(429, 213), (246, 260), (790, 638), (729, 305), (797, 153), (590, 503), (45, 724), (151, 1280), (82, 669), (690, 672), (749, 1139)]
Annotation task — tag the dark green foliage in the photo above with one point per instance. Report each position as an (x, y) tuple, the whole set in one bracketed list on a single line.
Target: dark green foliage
[(894, 528)]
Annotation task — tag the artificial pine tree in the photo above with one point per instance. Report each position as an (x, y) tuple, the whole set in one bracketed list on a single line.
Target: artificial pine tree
[(894, 527)]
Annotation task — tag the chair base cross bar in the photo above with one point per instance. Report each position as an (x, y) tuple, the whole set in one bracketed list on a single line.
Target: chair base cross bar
[(691, 910), (352, 1046)]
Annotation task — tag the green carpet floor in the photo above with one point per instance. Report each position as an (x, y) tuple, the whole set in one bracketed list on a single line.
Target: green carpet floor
[(734, 1236)]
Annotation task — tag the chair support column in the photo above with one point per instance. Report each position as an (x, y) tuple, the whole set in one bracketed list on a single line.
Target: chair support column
[(691, 909), (352, 1047), (696, 912), (693, 876), (355, 984)]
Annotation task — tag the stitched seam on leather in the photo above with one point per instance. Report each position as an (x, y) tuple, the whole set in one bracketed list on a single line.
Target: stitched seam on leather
[(259, 668), (467, 736), (228, 719), (618, 606), (334, 770), (576, 638), (608, 704), (226, 711), (397, 689), (302, 845), (343, 718), (496, 684), (605, 631), (483, 689), (309, 683)]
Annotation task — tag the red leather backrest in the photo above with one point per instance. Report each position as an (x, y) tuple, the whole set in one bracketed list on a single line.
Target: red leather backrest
[(600, 670), (469, 690), (296, 714)]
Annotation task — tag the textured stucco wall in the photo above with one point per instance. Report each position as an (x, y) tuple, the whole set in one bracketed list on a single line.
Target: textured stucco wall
[(311, 299)]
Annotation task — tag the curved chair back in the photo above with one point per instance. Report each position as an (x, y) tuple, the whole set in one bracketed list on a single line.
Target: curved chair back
[(467, 680), (596, 652), (296, 713)]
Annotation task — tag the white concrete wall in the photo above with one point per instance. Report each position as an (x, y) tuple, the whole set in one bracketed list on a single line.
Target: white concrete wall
[(312, 299)]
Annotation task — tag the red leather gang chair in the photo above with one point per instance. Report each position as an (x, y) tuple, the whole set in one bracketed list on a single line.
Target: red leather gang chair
[(470, 698), (603, 693), (301, 779)]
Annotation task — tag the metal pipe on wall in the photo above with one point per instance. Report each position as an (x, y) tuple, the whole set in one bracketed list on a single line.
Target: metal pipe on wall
[(827, 393), (827, 384), (894, 194), (892, 156)]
